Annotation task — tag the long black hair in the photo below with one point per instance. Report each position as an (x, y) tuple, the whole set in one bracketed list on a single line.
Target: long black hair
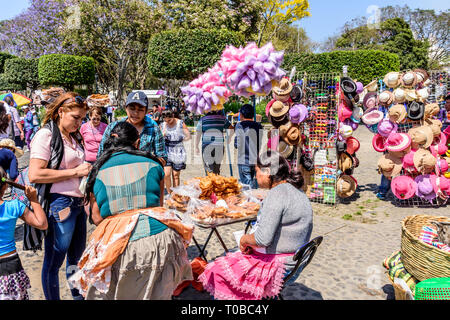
[(280, 170), (122, 138), (4, 120)]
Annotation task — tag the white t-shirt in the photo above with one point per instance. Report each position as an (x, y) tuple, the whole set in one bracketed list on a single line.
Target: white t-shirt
[(15, 117)]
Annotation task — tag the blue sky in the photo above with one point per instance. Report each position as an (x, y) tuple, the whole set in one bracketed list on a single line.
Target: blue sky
[(327, 16)]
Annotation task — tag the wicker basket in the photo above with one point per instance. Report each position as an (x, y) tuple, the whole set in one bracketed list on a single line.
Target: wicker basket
[(423, 261), (400, 293)]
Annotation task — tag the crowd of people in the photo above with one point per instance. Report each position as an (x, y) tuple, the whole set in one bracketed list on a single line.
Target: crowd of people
[(83, 169)]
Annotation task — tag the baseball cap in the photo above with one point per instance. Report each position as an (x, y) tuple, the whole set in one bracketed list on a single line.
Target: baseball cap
[(138, 97)]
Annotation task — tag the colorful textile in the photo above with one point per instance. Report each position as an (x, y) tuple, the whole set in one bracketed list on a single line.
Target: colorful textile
[(110, 239), (239, 276), (151, 138), (429, 236), (397, 270), (10, 211), (14, 282)]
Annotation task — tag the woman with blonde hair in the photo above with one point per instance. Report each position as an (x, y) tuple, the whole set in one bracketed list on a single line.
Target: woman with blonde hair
[(57, 164)]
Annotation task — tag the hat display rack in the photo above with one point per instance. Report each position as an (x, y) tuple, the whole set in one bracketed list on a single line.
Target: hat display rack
[(320, 130), (410, 137)]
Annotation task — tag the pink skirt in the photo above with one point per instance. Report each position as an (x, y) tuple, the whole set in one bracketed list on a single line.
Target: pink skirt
[(239, 276)]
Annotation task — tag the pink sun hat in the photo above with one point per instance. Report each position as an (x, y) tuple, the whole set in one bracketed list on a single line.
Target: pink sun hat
[(379, 143), (425, 188), (441, 183), (441, 166), (408, 162), (344, 112), (386, 127), (398, 142), (372, 116), (440, 147), (403, 187)]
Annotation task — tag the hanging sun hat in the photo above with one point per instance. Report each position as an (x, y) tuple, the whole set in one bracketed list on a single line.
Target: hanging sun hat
[(372, 116), (399, 95), (441, 166), (392, 79), (345, 161), (386, 98), (290, 134), (283, 89), (346, 186), (422, 75), (372, 86), (425, 188), (345, 131), (284, 149), (278, 109), (277, 122), (269, 105), (348, 86), (296, 94), (397, 113), (386, 127), (357, 114), (435, 125), (423, 94), (403, 187), (441, 184), (389, 166), (351, 123), (409, 79), (10, 144), (298, 113), (379, 143), (424, 161), (421, 137), (344, 112), (359, 87), (431, 110), (416, 110), (410, 95), (370, 100), (341, 146), (353, 145), (408, 161), (439, 145), (397, 142)]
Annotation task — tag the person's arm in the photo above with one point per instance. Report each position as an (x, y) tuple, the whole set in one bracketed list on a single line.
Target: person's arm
[(159, 145), (187, 133), (36, 217), (96, 217), (38, 172), (270, 219)]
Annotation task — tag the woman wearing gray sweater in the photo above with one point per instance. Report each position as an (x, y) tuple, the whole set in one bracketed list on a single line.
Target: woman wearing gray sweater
[(284, 224)]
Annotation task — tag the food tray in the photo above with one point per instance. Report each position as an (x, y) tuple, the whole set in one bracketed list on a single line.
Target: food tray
[(221, 221)]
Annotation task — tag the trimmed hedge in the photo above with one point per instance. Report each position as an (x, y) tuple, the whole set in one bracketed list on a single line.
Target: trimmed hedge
[(184, 54), (66, 70), (3, 57), (363, 65), (8, 86), (22, 71)]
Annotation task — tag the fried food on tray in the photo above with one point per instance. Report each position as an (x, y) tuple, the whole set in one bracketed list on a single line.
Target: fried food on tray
[(222, 187), (98, 100)]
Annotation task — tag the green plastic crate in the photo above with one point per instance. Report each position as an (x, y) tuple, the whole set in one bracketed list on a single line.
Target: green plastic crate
[(433, 289)]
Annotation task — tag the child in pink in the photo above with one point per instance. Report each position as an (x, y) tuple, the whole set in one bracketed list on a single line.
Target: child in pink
[(92, 132)]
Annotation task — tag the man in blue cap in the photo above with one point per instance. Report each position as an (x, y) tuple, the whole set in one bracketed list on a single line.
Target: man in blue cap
[(151, 138)]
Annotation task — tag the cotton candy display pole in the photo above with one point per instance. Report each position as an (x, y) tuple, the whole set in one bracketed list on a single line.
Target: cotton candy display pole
[(206, 93), (252, 70)]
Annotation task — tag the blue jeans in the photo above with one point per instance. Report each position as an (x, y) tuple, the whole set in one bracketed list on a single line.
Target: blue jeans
[(247, 175), (66, 237), (385, 186)]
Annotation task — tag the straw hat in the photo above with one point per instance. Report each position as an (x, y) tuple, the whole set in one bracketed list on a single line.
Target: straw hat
[(370, 100), (284, 149), (440, 184), (439, 145), (283, 88), (386, 127), (410, 94), (386, 98), (372, 86), (392, 79), (290, 134), (10, 144), (397, 142), (421, 137), (408, 162), (422, 75), (431, 110), (423, 94), (403, 187), (424, 161), (346, 186), (389, 166), (353, 145), (345, 131), (278, 109), (348, 86), (397, 113), (416, 110), (399, 95), (372, 116), (435, 125), (409, 79), (345, 161), (278, 121)]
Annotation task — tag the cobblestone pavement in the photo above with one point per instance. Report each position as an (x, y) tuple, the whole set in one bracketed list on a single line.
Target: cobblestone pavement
[(348, 263)]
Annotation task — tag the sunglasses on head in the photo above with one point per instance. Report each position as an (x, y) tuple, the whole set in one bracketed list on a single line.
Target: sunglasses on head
[(77, 99)]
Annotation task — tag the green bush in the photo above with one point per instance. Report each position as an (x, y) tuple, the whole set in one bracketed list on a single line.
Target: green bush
[(120, 113), (3, 57), (363, 65), (66, 70), (22, 71), (8, 86), (184, 54)]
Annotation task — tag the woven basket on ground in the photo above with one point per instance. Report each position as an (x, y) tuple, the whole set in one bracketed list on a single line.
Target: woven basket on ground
[(400, 293), (423, 261)]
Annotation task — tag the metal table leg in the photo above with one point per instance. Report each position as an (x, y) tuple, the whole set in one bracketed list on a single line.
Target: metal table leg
[(199, 249), (220, 239), (204, 246)]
